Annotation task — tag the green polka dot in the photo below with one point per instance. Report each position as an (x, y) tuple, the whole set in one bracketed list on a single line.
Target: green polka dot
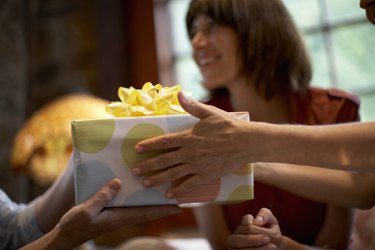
[(244, 170), (92, 136), (136, 134), (241, 193)]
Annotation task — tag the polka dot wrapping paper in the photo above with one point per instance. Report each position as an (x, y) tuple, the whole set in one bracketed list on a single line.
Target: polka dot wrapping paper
[(104, 149)]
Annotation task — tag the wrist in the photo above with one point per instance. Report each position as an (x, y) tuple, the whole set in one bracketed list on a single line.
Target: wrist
[(56, 241), (50, 240), (287, 243), (259, 142)]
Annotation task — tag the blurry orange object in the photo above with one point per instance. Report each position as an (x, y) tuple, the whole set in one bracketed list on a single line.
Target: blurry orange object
[(43, 146)]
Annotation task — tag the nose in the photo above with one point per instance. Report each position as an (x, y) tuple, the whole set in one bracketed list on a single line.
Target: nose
[(199, 40)]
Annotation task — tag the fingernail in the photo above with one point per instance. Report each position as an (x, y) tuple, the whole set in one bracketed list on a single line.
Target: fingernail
[(115, 185), (147, 183), (259, 218), (169, 195), (138, 149), (185, 96), (136, 171)]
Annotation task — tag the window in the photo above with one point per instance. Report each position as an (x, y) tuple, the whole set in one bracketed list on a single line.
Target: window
[(336, 32)]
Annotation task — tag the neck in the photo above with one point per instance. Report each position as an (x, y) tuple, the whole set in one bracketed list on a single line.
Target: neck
[(244, 97)]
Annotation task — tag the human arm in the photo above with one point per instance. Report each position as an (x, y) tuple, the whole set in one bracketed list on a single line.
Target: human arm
[(56, 201), (220, 143), (89, 220), (23, 223), (342, 188), (211, 223), (336, 229)]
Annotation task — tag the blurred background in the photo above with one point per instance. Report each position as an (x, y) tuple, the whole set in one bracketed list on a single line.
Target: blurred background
[(50, 49)]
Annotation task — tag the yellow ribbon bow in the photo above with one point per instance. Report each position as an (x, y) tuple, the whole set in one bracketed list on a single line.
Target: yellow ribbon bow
[(150, 100)]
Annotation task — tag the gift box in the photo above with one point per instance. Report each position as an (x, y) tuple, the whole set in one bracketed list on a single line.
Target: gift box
[(104, 149)]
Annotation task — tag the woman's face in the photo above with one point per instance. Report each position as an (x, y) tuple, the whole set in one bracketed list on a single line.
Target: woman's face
[(369, 6), (215, 50)]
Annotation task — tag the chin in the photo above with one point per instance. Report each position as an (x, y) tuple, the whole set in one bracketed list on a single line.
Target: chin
[(211, 85), (212, 82)]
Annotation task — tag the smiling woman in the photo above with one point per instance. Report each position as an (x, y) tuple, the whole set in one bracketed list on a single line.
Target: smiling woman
[(335, 31), (252, 58)]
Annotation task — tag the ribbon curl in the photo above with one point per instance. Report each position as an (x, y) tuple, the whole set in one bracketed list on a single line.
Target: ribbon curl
[(148, 101)]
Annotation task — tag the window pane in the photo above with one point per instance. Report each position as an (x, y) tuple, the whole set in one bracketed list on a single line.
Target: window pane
[(305, 13), (367, 107), (177, 10), (354, 52), (341, 9), (321, 71)]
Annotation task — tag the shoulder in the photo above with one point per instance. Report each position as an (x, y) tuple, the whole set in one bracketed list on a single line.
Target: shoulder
[(320, 95), (326, 106)]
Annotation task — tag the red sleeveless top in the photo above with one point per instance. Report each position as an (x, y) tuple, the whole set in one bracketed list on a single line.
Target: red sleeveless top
[(300, 219)]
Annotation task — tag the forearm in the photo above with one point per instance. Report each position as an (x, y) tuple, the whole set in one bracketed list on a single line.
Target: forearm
[(58, 199), (50, 241), (212, 225), (289, 244), (336, 229), (346, 147), (343, 188)]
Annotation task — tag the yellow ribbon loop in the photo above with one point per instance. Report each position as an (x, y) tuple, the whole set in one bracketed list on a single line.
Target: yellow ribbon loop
[(148, 101)]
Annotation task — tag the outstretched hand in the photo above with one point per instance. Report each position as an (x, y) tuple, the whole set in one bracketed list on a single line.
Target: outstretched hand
[(211, 149), (90, 220)]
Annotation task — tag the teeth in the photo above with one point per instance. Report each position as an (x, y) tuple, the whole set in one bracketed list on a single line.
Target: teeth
[(206, 61)]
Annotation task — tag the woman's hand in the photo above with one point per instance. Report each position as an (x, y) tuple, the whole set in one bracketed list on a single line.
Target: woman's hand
[(214, 147), (263, 232)]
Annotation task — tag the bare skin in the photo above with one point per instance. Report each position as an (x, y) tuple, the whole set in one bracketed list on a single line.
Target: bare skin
[(56, 201), (343, 188), (263, 233), (90, 219), (343, 147)]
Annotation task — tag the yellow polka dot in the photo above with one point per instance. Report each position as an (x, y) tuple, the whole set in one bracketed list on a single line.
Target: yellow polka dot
[(241, 193), (136, 134), (92, 137), (244, 170)]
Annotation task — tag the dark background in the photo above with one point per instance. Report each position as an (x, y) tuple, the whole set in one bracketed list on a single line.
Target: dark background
[(52, 48)]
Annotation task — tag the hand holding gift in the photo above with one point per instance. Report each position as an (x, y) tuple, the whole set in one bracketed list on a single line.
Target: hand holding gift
[(105, 149), (191, 162)]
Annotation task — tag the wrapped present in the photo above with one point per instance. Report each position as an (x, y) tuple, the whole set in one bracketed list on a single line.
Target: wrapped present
[(104, 149)]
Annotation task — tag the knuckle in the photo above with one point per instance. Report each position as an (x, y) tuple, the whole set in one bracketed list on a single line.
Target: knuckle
[(173, 173), (104, 196), (163, 142), (166, 160), (84, 214)]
